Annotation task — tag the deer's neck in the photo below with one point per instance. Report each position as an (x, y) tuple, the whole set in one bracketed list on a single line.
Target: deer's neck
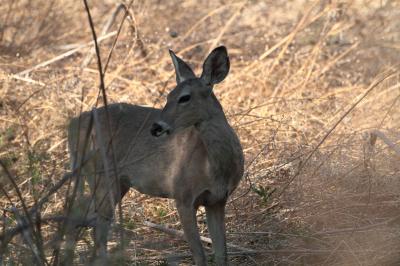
[(224, 150)]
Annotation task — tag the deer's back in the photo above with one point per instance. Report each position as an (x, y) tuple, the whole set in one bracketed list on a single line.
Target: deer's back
[(125, 129)]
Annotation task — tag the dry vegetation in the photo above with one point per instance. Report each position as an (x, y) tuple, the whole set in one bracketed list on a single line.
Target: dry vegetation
[(297, 67)]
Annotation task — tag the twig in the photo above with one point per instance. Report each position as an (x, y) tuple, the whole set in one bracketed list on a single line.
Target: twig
[(22, 225), (19, 194), (368, 91), (27, 237), (29, 80), (386, 140), (180, 234), (126, 14), (265, 251), (103, 152), (53, 190), (227, 25), (59, 57), (27, 214), (104, 31), (10, 233), (28, 98), (357, 229), (103, 91), (210, 14)]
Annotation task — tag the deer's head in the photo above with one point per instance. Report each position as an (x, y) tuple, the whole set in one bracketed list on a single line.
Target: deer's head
[(192, 101)]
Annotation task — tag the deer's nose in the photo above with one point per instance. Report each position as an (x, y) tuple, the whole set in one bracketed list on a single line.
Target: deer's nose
[(159, 128)]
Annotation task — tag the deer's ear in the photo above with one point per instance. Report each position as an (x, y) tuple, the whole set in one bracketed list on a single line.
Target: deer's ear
[(182, 70), (216, 66)]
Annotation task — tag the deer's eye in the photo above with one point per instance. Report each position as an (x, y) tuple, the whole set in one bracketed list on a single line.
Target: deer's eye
[(184, 98)]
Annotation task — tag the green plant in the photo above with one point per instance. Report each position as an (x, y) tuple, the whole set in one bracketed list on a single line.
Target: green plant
[(264, 192)]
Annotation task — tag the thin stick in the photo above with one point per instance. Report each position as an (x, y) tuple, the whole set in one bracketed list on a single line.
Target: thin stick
[(369, 90), (210, 14), (27, 238), (126, 8), (386, 140), (358, 229), (180, 234), (59, 57), (265, 251), (103, 152), (104, 31), (226, 27), (23, 225), (29, 80), (21, 199), (103, 91)]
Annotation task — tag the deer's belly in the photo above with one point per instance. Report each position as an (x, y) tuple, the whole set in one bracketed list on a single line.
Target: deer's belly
[(151, 187)]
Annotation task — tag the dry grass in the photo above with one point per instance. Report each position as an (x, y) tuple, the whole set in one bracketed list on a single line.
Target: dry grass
[(296, 69)]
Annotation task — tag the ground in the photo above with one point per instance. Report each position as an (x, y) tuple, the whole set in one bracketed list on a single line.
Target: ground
[(311, 85)]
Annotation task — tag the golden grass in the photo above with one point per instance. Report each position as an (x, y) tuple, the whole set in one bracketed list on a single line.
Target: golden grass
[(296, 68)]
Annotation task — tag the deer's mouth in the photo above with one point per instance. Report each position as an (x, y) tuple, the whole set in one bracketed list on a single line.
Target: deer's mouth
[(160, 128)]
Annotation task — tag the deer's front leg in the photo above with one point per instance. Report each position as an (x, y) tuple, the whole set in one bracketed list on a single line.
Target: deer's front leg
[(216, 227), (187, 215)]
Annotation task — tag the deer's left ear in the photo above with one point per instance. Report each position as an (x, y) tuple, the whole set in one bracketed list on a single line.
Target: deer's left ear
[(216, 66), (182, 70)]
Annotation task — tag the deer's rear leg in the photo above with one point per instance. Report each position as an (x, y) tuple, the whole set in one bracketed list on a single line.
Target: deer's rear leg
[(77, 215), (104, 202), (107, 196), (187, 215), (104, 216), (100, 238), (216, 227)]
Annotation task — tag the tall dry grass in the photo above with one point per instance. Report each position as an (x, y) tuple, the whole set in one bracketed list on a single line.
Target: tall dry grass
[(297, 68)]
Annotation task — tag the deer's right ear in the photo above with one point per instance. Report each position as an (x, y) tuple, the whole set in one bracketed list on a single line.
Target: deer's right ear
[(216, 66), (182, 70)]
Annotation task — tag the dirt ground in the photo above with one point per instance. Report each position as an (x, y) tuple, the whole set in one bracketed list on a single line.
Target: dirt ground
[(313, 93)]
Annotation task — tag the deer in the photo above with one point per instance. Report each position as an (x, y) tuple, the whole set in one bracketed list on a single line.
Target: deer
[(186, 151)]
